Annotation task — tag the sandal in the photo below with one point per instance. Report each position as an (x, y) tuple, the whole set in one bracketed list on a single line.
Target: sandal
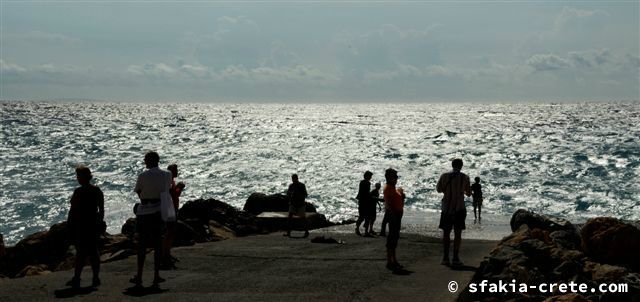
[(158, 279)]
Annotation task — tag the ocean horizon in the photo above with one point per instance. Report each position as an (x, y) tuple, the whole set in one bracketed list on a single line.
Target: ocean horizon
[(571, 160)]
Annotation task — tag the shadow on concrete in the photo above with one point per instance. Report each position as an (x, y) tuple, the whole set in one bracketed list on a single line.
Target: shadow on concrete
[(464, 268), (141, 291), (402, 272), (72, 292)]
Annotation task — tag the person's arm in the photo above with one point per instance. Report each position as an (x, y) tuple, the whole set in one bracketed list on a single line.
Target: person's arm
[(100, 205), (439, 186), (138, 187), (467, 187), (304, 191)]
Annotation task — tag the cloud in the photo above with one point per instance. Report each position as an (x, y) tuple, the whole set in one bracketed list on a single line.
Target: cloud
[(10, 68), (41, 36), (161, 70), (569, 13), (547, 62), (590, 58), (385, 48)]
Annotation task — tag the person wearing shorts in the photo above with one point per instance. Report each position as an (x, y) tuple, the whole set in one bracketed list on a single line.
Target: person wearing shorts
[(297, 193), (454, 185), (394, 200), (150, 227)]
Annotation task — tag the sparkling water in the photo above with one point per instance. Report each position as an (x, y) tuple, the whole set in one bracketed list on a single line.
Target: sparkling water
[(572, 160)]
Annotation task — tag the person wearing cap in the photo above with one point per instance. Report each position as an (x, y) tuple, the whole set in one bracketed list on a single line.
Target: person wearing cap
[(85, 223), (149, 224), (364, 200), (297, 193), (394, 202), (455, 185)]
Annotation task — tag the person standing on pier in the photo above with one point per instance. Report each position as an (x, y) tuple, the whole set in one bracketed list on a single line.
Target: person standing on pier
[(454, 185), (297, 193)]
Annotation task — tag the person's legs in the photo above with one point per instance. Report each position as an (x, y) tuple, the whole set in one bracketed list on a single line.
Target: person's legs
[(142, 232), (372, 220), (289, 218), (479, 211), (361, 217), (168, 242), (392, 240), (446, 241), (457, 240), (81, 255), (142, 251), (303, 216), (157, 260), (475, 206), (94, 259), (385, 221)]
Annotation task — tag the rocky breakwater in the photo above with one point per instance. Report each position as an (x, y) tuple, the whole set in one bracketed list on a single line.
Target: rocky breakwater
[(548, 250), (272, 210), (201, 220)]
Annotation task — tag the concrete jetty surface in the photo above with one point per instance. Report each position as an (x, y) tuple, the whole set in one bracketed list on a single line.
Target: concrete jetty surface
[(273, 268)]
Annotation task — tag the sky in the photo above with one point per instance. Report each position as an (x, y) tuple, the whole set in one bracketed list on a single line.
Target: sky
[(288, 51)]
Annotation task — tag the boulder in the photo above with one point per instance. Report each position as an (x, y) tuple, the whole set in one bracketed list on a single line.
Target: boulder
[(204, 210), (573, 297), (129, 228), (609, 240), (258, 203), (33, 270), (543, 222)]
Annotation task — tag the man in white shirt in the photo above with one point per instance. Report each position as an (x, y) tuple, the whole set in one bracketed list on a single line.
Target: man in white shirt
[(149, 224)]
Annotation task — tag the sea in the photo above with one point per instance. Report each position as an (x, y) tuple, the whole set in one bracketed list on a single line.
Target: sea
[(574, 161)]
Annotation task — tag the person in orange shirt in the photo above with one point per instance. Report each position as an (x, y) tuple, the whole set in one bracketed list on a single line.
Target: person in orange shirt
[(394, 201)]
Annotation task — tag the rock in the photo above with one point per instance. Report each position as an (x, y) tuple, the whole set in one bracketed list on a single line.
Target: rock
[(49, 248), (186, 235), (275, 221), (566, 239), (573, 297), (242, 223), (115, 256), (258, 203), (33, 270), (2, 250), (604, 272), (543, 222), (129, 228), (219, 231), (612, 241)]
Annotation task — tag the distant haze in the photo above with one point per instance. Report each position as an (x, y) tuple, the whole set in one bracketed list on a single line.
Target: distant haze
[(320, 51)]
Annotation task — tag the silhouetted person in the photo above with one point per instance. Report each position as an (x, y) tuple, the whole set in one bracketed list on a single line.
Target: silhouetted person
[(454, 185), (371, 209), (85, 222), (364, 199), (149, 225), (476, 193), (175, 191), (394, 199), (297, 193)]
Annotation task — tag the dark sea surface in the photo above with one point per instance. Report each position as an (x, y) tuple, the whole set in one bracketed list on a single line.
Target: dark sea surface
[(572, 160)]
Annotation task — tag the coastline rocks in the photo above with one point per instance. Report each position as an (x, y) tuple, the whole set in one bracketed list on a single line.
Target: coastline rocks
[(198, 213), (612, 241), (550, 250), (259, 202), (47, 248)]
